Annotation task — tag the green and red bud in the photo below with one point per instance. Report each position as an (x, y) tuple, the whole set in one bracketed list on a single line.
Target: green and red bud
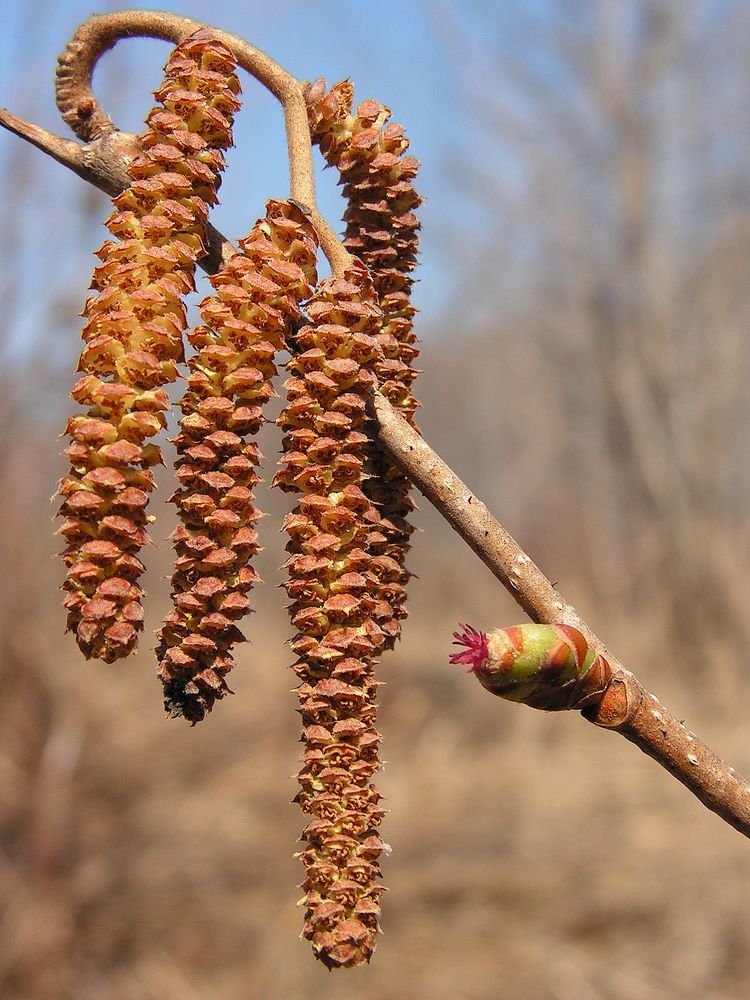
[(550, 667)]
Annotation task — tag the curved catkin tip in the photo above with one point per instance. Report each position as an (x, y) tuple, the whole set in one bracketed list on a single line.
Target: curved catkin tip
[(382, 229), (248, 319), (551, 667), (334, 588), (132, 337)]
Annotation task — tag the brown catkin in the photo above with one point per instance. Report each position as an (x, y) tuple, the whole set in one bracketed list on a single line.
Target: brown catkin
[(333, 583), (133, 343), (382, 230), (248, 319)]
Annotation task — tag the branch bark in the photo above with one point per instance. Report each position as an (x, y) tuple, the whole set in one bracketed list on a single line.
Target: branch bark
[(103, 162), (80, 108), (626, 707)]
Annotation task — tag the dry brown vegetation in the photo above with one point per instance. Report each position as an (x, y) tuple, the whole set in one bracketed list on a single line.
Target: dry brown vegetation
[(533, 856)]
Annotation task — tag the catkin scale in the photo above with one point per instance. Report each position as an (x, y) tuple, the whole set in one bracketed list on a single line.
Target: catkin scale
[(333, 584), (133, 343), (247, 321)]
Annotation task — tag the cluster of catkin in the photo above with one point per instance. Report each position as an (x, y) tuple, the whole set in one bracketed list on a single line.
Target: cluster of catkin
[(133, 342), (349, 335)]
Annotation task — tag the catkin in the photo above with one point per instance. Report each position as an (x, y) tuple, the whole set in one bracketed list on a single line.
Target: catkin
[(382, 229), (133, 343), (333, 583), (247, 320)]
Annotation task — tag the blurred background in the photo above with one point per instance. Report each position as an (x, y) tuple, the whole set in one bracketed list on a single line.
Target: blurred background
[(585, 296)]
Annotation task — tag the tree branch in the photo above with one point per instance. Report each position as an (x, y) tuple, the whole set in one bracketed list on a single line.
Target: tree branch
[(625, 707), (83, 112), (103, 157), (103, 162), (629, 709), (85, 115)]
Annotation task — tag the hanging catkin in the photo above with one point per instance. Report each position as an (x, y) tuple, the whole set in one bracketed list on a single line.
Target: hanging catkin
[(133, 343), (333, 584), (382, 230), (247, 321)]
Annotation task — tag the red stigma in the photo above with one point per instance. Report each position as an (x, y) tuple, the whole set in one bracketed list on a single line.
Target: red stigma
[(476, 651)]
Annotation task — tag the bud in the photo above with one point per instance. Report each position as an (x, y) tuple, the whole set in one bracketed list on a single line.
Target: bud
[(551, 667)]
